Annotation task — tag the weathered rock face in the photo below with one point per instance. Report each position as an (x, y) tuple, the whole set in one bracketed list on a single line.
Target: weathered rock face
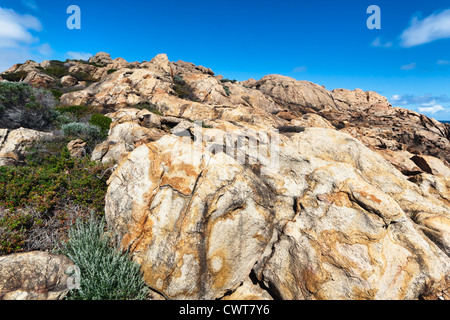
[(354, 204), (299, 96), (68, 81), (77, 148), (13, 144), (273, 101), (209, 202), (39, 79), (131, 128), (101, 58), (33, 276), (330, 220)]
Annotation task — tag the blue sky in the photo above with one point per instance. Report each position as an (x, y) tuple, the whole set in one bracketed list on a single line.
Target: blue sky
[(324, 41)]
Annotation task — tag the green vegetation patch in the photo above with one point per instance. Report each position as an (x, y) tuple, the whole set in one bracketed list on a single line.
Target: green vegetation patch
[(105, 272), (15, 76), (147, 106)]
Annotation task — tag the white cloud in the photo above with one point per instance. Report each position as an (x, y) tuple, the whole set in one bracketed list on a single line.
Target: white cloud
[(432, 109), (428, 104), (15, 29), (378, 43), (410, 66), (78, 55), (434, 27), (425, 100)]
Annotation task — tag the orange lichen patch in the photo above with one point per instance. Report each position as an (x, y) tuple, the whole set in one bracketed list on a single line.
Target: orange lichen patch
[(161, 275), (360, 294), (331, 254), (140, 234), (222, 275), (260, 238), (366, 195), (340, 199), (181, 177)]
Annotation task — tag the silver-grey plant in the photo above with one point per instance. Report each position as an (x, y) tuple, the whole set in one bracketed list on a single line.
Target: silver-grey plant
[(106, 273)]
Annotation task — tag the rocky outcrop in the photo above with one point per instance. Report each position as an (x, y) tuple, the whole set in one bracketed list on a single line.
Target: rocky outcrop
[(131, 128), (193, 92), (101, 58), (34, 276), (68, 81), (39, 79), (268, 189), (298, 96), (77, 148), (330, 220), (14, 144)]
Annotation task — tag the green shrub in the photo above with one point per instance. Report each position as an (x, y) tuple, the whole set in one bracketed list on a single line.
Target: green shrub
[(56, 93), (111, 71), (50, 179), (227, 80), (227, 90), (149, 107), (101, 121), (22, 105), (81, 130), (59, 119), (57, 72), (77, 111), (15, 76), (13, 231), (105, 273), (183, 89)]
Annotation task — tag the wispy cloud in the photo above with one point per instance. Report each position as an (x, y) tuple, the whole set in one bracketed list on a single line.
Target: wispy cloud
[(433, 27), (427, 104), (425, 100), (380, 44), (432, 110), (410, 66), (78, 55), (15, 29), (18, 41)]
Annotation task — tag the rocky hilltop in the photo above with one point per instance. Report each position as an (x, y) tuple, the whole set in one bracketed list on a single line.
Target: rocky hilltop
[(263, 189)]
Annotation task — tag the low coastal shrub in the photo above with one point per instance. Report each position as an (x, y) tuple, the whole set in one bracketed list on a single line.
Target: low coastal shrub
[(227, 90), (51, 180), (56, 71), (85, 131), (37, 199), (22, 105), (183, 89), (76, 111), (105, 273), (13, 231), (147, 106), (15, 76), (101, 121)]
